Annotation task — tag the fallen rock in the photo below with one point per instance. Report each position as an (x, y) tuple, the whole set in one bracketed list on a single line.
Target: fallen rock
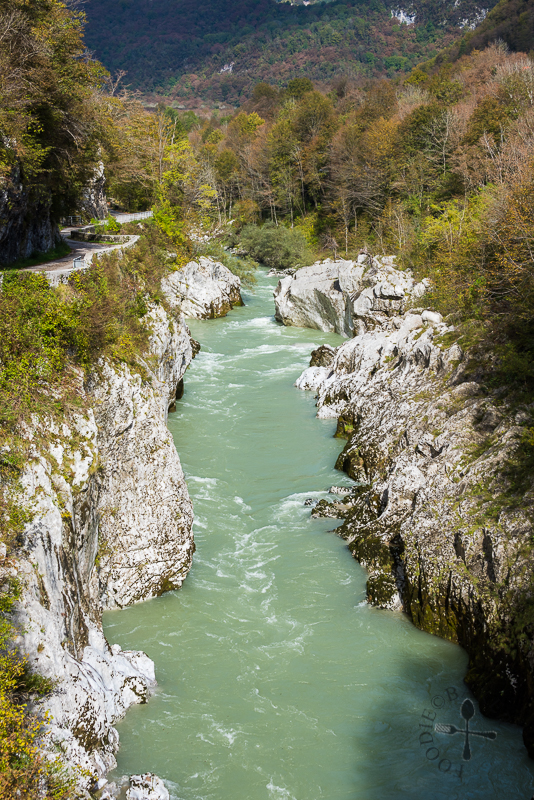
[(432, 317), (323, 356)]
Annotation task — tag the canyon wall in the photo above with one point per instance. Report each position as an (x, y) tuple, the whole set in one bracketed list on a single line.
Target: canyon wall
[(111, 525), (26, 223), (441, 510)]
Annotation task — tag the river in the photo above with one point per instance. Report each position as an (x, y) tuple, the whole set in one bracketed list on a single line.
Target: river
[(276, 680)]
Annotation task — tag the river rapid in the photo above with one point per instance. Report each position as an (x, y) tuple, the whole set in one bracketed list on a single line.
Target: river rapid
[(276, 680)]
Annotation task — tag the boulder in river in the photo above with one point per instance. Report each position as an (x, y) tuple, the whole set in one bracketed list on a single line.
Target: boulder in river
[(203, 289), (146, 787), (345, 297), (323, 356)]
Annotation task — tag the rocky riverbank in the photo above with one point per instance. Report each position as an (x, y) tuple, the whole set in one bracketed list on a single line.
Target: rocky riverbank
[(441, 509), (111, 524)]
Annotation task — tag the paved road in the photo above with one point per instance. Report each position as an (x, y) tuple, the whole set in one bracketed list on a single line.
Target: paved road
[(61, 268)]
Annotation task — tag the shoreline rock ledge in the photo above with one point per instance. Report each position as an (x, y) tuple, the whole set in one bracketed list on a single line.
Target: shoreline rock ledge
[(442, 507), (204, 290)]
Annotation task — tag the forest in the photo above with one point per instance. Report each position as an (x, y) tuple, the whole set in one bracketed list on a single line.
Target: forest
[(180, 49), (437, 170)]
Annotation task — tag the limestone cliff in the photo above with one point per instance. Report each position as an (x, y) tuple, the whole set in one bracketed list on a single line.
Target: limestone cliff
[(111, 524), (26, 223), (145, 541), (441, 511)]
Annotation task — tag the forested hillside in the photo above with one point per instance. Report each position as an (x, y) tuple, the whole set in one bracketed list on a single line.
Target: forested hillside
[(438, 171), (218, 49), (510, 21)]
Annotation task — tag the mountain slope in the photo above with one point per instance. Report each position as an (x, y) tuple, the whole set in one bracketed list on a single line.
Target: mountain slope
[(183, 46), (511, 21)]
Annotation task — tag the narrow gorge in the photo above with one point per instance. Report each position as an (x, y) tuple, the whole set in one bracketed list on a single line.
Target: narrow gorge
[(276, 678), (267, 516)]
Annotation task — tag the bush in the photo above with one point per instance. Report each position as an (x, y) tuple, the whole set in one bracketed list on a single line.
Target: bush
[(25, 772), (275, 246), (241, 266)]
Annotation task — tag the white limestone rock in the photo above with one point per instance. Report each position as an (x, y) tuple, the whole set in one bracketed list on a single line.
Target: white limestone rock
[(344, 297), (145, 540), (204, 290), (318, 296), (59, 614), (111, 525), (312, 378), (146, 787)]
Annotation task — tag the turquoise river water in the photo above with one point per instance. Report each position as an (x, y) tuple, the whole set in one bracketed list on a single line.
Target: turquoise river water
[(276, 680)]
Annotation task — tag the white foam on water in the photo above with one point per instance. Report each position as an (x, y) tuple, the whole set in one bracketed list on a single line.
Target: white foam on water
[(295, 503), (290, 369), (269, 349), (198, 479), (229, 734), (241, 502), (279, 792), (256, 322), (255, 574), (205, 739)]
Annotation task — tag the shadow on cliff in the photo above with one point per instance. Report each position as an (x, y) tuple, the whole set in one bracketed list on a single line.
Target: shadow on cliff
[(400, 754)]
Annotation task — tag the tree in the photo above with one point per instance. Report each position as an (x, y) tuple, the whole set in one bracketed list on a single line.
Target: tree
[(50, 117)]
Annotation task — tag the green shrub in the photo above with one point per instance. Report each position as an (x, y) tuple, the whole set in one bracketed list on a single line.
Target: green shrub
[(275, 246), (243, 267), (25, 772), (109, 225)]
